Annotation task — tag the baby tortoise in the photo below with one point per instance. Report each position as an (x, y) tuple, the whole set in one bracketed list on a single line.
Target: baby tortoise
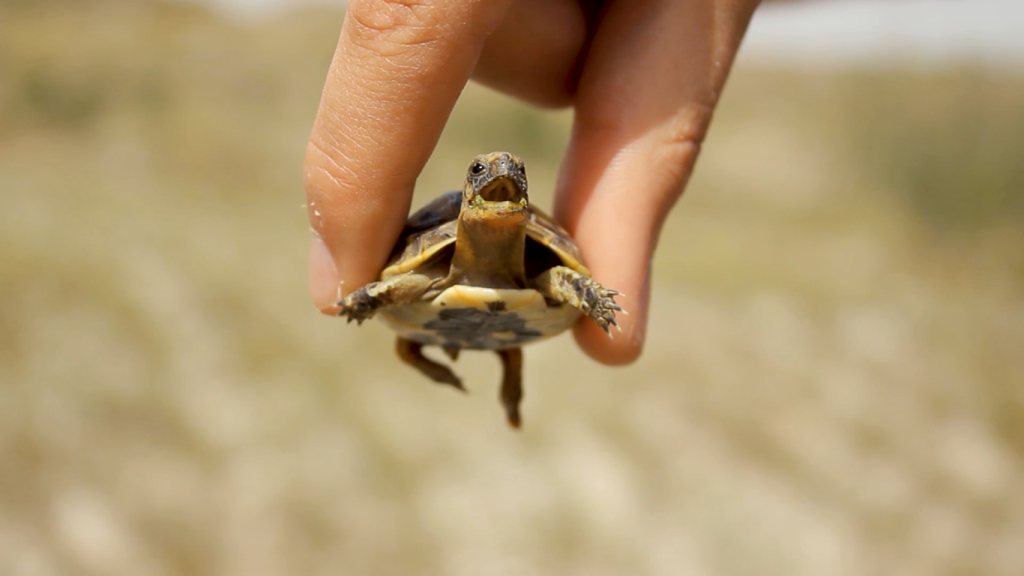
[(482, 269)]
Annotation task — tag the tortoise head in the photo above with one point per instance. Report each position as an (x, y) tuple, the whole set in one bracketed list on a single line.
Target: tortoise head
[(495, 189)]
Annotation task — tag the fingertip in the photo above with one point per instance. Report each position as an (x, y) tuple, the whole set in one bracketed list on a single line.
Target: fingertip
[(615, 348), (324, 284), (617, 351)]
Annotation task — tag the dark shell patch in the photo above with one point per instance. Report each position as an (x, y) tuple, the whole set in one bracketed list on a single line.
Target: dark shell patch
[(474, 328)]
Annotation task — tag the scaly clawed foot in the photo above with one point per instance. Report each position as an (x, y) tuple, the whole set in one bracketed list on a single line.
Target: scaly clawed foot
[(361, 304), (597, 302)]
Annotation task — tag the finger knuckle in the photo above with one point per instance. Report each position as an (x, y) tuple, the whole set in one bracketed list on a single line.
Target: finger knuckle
[(325, 169), (686, 128), (392, 27), (677, 142), (674, 159)]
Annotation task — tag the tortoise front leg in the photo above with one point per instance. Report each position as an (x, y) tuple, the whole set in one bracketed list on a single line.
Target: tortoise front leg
[(512, 383), (364, 303), (563, 284), (412, 353)]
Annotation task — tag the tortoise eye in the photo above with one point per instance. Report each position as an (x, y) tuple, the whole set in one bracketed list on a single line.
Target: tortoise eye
[(477, 168)]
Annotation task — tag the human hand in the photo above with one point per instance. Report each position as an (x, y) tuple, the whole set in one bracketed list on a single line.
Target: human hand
[(644, 82)]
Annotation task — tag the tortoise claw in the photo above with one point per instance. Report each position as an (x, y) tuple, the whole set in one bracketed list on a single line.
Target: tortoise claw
[(615, 323), (452, 352), (359, 305), (597, 302)]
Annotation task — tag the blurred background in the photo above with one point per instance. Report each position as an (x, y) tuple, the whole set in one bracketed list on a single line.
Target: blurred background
[(834, 378)]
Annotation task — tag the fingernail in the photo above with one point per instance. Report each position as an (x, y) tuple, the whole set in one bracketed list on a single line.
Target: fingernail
[(324, 286)]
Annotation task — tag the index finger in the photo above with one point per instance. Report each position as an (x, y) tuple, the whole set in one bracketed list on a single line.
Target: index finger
[(397, 71)]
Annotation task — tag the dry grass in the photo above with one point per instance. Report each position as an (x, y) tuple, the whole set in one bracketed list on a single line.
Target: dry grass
[(832, 386)]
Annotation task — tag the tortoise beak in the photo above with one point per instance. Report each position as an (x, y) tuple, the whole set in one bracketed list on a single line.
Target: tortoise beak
[(503, 193)]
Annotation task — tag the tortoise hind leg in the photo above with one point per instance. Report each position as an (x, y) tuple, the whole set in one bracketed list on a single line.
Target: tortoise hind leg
[(412, 353), (512, 384)]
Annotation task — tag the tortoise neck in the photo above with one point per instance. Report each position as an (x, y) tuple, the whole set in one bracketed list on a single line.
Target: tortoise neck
[(490, 254)]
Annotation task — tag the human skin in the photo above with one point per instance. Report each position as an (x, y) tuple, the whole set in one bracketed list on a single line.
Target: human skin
[(643, 77)]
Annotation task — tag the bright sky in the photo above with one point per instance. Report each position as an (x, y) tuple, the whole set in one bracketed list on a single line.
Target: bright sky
[(877, 32), (844, 32)]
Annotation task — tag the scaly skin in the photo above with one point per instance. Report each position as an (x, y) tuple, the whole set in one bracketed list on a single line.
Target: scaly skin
[(364, 303), (564, 284)]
